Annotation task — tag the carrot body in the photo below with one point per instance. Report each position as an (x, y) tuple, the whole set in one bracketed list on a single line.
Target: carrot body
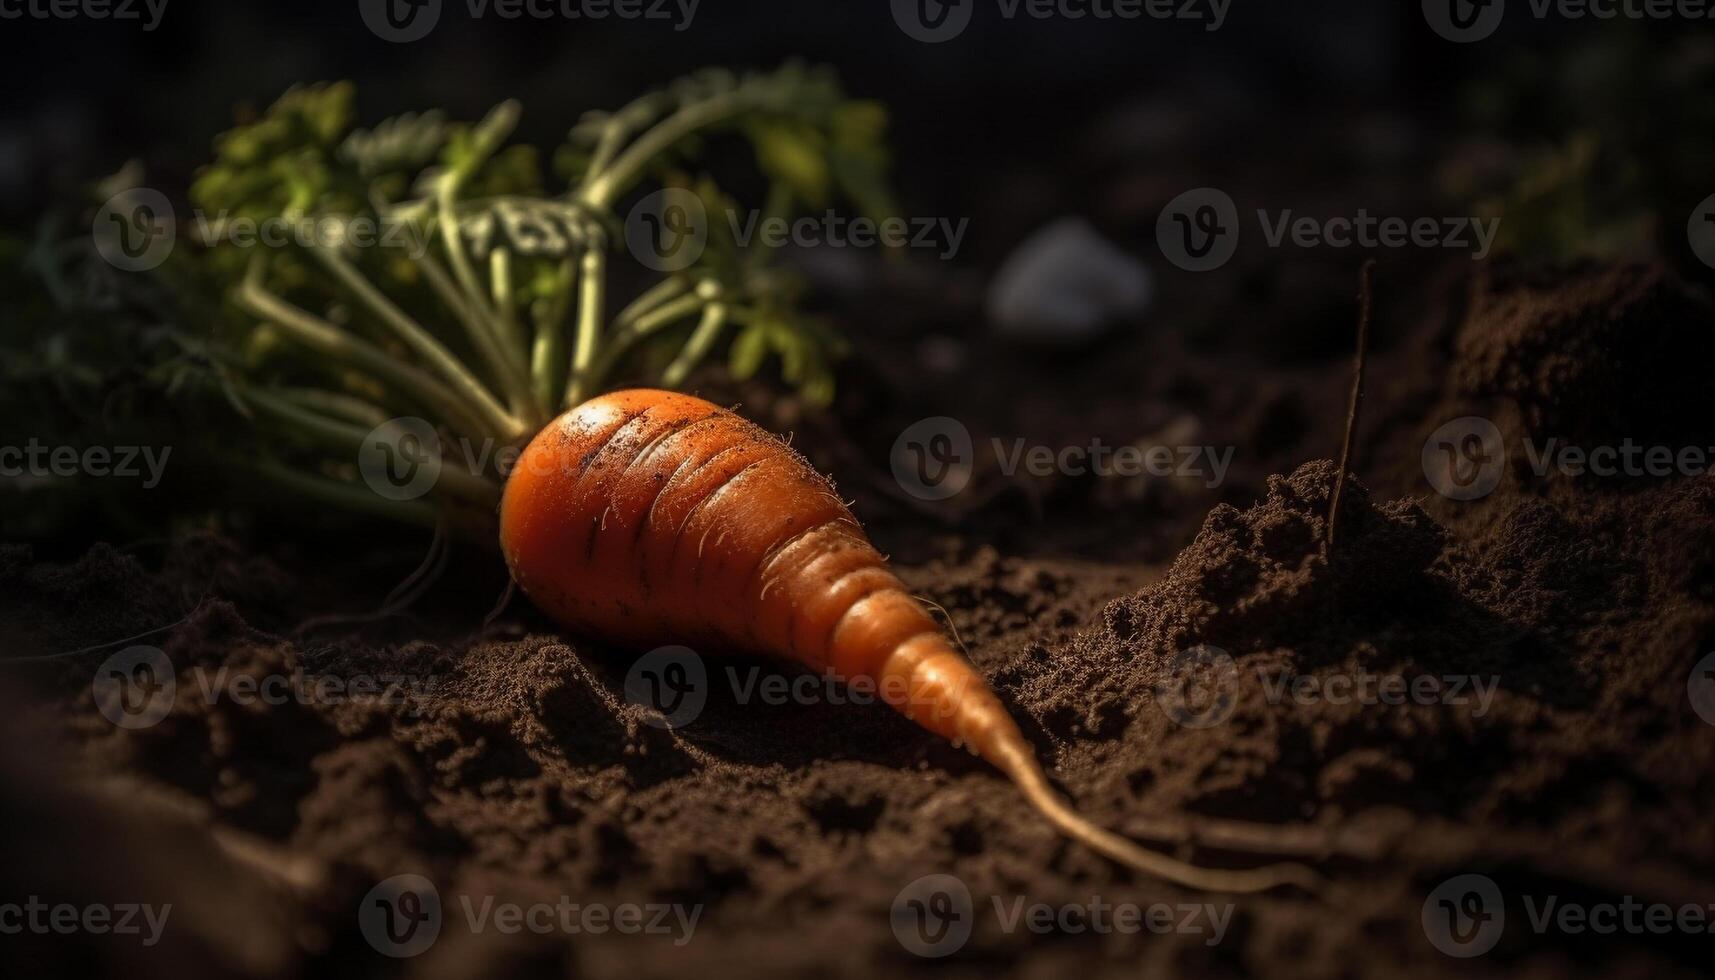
[(648, 517)]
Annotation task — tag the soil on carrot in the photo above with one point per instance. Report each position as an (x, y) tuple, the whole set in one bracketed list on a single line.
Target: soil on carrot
[(1495, 686)]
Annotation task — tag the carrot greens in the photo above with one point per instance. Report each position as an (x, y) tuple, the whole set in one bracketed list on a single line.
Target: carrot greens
[(436, 269)]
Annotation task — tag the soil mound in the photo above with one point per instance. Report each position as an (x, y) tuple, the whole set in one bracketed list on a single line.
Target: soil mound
[(1601, 353)]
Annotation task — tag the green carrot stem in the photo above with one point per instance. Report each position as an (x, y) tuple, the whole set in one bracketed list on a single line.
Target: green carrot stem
[(341, 347), (658, 318), (601, 191), (351, 439), (698, 346), (591, 298), (548, 358), (612, 136), (345, 495), (496, 420), (303, 422), (627, 336), (777, 205), (651, 298), (446, 196), (506, 301), (485, 335), (336, 404), (512, 338)]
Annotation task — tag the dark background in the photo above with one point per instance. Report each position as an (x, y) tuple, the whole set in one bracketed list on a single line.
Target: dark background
[(1591, 598), (1321, 107), (81, 97)]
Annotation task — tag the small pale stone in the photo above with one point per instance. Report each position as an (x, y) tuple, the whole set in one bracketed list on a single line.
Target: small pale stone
[(1066, 284)]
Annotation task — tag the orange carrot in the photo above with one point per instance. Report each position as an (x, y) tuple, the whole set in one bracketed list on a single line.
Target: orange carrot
[(647, 517)]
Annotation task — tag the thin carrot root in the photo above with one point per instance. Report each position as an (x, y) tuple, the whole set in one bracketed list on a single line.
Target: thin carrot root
[(1033, 783), (650, 517), (945, 693)]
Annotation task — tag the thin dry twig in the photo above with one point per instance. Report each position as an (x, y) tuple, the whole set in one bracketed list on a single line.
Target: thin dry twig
[(1365, 302)]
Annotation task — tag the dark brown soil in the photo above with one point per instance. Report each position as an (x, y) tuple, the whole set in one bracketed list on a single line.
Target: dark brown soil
[(511, 763)]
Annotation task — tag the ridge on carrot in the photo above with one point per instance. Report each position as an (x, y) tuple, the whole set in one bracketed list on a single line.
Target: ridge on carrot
[(650, 517), (640, 516)]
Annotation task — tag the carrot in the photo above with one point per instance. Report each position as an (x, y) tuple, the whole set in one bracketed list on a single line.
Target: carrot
[(647, 517)]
